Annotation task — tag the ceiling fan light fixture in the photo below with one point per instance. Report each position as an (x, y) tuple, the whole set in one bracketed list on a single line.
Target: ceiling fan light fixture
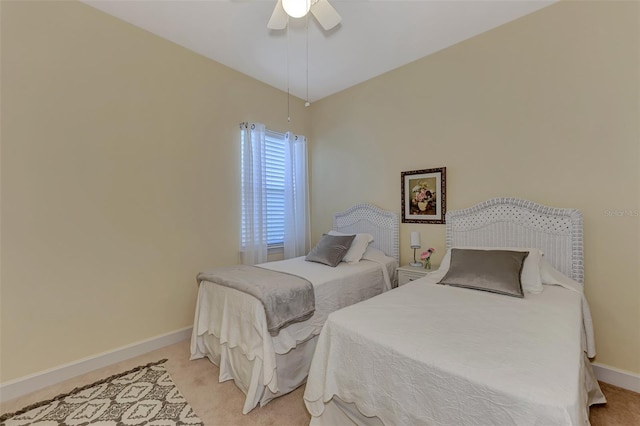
[(296, 8)]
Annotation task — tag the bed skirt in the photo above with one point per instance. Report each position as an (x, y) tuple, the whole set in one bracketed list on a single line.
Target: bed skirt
[(339, 412), (292, 369)]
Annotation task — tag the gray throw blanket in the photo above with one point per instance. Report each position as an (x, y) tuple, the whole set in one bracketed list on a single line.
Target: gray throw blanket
[(287, 298)]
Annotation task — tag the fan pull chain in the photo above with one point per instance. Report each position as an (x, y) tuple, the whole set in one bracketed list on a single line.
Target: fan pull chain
[(288, 77), (306, 104)]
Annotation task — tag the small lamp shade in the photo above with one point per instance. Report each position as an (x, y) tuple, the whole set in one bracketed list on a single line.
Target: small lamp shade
[(415, 240)]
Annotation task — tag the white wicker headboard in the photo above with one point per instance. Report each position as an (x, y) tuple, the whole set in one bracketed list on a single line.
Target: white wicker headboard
[(383, 225), (511, 222)]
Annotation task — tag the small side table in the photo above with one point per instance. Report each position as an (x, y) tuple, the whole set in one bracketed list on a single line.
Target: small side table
[(408, 273)]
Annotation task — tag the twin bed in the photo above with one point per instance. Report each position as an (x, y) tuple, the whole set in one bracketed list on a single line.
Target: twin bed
[(427, 353), (424, 353), (230, 327)]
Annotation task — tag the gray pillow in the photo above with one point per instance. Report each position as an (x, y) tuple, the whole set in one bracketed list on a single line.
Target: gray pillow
[(497, 271), (330, 249)]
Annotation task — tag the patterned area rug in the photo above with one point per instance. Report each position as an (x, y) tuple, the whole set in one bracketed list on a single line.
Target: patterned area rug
[(145, 395)]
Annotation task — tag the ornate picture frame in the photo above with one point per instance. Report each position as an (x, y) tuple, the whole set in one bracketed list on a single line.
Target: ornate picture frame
[(424, 196)]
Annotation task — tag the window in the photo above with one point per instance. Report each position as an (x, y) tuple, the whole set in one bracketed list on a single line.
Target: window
[(275, 200), (274, 151)]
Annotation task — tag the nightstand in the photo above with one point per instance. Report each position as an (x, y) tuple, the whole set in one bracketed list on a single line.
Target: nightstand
[(408, 273)]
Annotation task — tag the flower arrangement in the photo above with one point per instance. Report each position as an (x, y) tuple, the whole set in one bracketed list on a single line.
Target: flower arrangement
[(422, 195), (426, 257)]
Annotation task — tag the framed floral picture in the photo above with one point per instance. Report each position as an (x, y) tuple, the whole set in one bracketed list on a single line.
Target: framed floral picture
[(424, 196)]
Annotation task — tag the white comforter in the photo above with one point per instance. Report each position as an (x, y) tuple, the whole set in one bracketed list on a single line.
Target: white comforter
[(433, 354), (238, 320)]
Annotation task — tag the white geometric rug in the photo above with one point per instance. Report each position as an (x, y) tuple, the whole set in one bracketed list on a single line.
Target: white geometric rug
[(145, 395)]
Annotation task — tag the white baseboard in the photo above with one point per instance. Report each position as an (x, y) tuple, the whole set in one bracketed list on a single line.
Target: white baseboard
[(27, 384), (615, 376)]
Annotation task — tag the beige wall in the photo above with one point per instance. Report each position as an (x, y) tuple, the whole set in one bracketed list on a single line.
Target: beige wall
[(119, 154), (544, 108)]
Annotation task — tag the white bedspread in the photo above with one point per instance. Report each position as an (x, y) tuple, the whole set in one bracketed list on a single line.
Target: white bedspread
[(433, 354), (237, 319)]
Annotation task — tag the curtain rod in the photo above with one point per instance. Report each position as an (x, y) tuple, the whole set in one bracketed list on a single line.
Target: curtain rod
[(246, 125)]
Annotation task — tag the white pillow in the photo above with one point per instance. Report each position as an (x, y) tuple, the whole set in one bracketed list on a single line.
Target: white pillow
[(530, 275), (358, 246), (552, 276)]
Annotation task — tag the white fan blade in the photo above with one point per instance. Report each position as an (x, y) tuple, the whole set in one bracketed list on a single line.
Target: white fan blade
[(279, 18), (325, 14)]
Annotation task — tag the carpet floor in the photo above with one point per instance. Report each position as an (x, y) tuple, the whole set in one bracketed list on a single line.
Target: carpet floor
[(220, 404)]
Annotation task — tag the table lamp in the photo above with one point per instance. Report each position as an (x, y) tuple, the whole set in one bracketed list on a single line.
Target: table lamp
[(415, 244)]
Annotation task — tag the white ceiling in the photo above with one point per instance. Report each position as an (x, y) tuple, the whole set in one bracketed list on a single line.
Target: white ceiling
[(374, 36)]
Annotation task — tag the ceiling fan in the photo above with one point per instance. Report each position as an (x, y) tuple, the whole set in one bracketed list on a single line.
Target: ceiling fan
[(321, 9)]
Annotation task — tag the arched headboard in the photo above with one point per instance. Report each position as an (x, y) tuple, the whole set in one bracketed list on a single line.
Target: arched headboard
[(512, 222), (382, 224)]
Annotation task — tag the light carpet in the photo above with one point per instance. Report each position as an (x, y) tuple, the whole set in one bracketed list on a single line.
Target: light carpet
[(145, 395)]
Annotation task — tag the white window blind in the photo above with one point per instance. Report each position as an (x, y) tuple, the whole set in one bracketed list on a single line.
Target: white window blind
[(275, 167), (274, 152)]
